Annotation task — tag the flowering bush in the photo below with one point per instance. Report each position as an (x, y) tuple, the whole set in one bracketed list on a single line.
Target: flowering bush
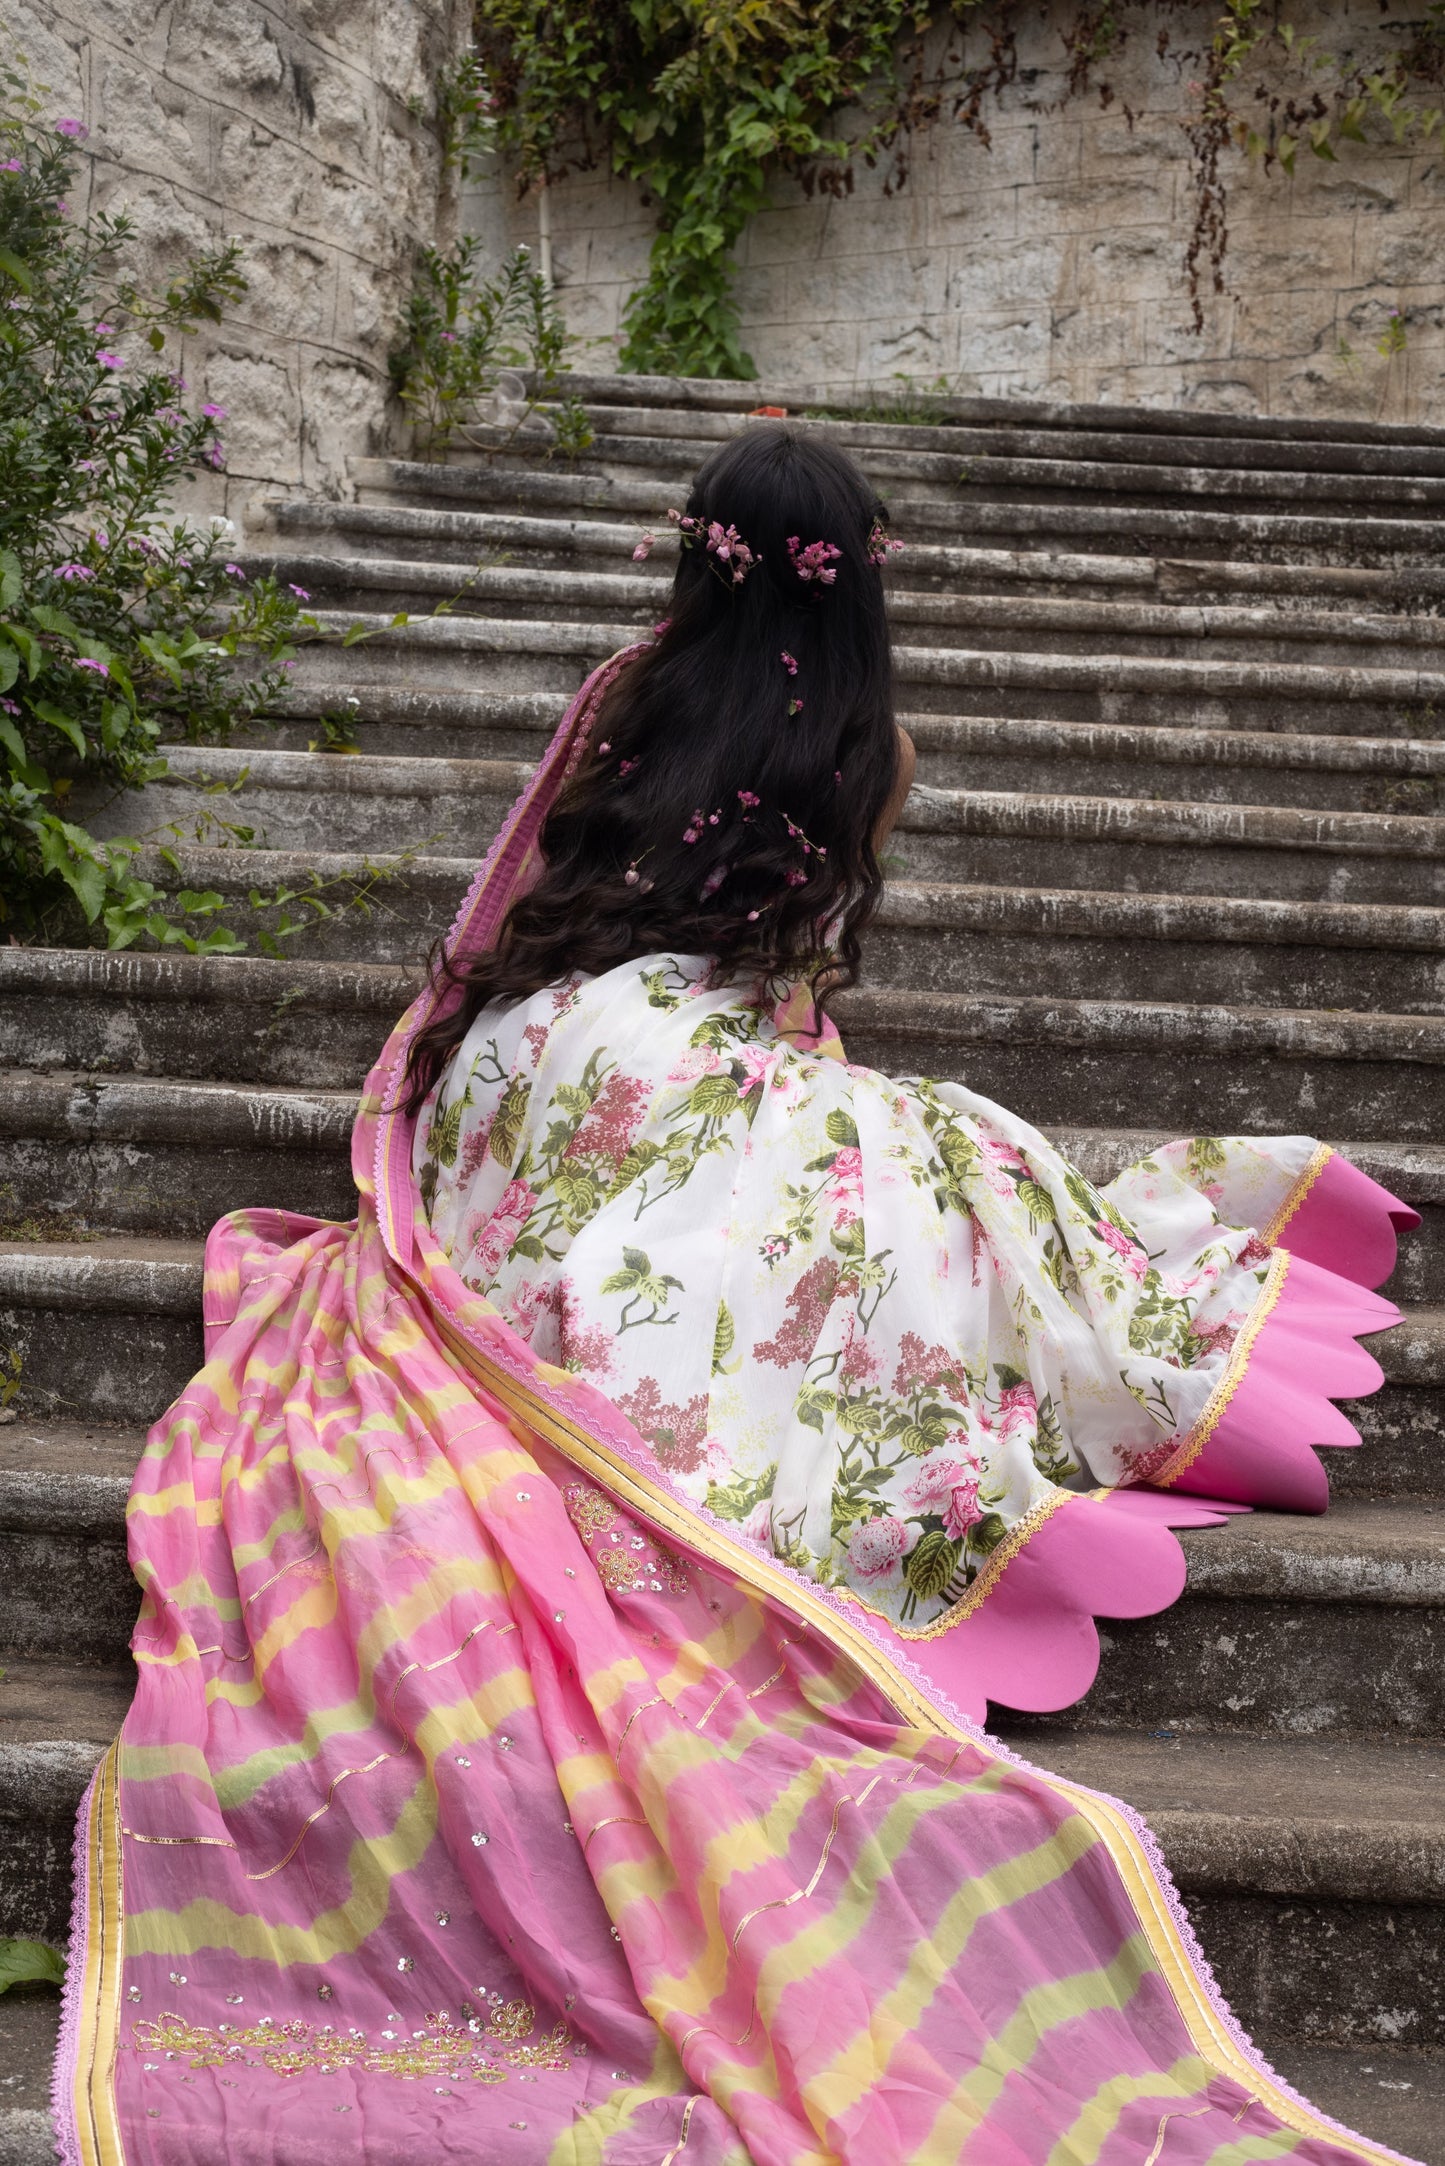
[(120, 622)]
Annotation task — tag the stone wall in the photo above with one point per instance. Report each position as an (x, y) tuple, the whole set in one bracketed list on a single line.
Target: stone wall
[(1051, 262), (298, 126)]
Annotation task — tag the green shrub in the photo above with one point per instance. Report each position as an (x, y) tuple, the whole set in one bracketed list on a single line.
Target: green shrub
[(120, 621)]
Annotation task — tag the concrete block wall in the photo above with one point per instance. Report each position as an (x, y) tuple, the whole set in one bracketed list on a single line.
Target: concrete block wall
[(300, 126), (1050, 262)]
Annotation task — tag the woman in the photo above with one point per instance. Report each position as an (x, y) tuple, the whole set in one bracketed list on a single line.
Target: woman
[(571, 1592)]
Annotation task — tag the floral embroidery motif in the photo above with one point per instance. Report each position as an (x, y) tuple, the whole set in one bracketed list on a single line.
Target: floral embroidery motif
[(469, 2050), (881, 1327), (632, 1563)]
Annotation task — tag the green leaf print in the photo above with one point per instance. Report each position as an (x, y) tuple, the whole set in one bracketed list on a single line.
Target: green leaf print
[(923, 1436), (987, 1533), (931, 1564), (1037, 1201), (507, 1121), (445, 1136), (1205, 1156), (842, 1129), (724, 1333), (579, 1196), (735, 1499), (714, 1096)]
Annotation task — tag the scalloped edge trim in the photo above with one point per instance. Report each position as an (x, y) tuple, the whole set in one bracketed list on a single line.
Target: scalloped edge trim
[(86, 2127)]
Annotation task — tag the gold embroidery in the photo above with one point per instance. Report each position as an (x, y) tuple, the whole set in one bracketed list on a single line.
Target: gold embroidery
[(617, 1571), (590, 1512), (621, 1569), (469, 2051), (1233, 1377)]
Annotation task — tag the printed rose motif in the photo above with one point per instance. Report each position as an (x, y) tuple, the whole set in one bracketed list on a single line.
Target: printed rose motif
[(491, 1238), (1129, 1253), (1017, 1408), (948, 1487), (1210, 1338), (758, 1526), (847, 1171), (530, 1302), (876, 1546)]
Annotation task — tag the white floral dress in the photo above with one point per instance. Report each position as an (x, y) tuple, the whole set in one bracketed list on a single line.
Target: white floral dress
[(874, 1321)]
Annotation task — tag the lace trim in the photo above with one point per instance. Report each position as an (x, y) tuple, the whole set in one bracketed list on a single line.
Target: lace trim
[(989, 1573), (1239, 1359), (1319, 1159)]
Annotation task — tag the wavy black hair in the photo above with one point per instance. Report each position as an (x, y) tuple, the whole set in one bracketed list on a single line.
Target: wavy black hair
[(739, 767)]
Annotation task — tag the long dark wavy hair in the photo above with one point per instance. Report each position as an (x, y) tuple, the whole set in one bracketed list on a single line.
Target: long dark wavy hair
[(738, 768)]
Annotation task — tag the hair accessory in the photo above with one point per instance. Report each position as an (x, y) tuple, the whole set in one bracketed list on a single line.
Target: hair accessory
[(632, 876), (880, 548), (789, 662), (644, 549), (795, 706), (812, 562), (714, 881), (722, 542)]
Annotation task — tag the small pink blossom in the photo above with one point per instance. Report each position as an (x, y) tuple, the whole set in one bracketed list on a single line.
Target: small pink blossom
[(214, 413), (12, 165), (876, 1546), (74, 571), (11, 706), (215, 456), (234, 571), (847, 1168), (789, 663), (644, 549), (100, 668), (861, 1363), (75, 129), (299, 592), (936, 1482), (810, 563), (108, 360), (516, 1201)]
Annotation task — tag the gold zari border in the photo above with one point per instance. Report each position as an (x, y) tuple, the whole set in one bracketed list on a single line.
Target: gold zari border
[(97, 2124)]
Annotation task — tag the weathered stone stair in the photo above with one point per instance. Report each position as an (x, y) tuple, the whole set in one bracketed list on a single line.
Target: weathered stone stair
[(1174, 862)]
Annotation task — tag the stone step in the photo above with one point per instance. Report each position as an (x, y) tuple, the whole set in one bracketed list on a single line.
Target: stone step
[(982, 939), (1222, 1069), (1192, 531), (969, 612), (436, 534), (967, 461), (305, 801), (530, 655), (1225, 1069), (1133, 444), (984, 751), (83, 1154)]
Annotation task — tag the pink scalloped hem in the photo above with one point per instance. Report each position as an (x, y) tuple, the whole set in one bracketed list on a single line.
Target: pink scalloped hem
[(1347, 1223), (1033, 1643), (67, 2051)]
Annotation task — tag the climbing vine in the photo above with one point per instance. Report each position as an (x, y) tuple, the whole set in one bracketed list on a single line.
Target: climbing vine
[(703, 100)]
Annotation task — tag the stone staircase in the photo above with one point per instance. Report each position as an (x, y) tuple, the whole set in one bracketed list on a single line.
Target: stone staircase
[(1173, 863)]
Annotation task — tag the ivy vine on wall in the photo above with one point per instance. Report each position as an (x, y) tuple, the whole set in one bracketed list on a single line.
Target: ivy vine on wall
[(702, 101)]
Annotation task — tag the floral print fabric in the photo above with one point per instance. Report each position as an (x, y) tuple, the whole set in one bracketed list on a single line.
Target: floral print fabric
[(875, 1322)]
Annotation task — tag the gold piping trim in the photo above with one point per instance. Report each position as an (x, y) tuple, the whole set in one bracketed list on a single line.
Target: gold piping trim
[(305, 1558), (1203, 2022), (989, 1572), (614, 1820), (1233, 1377), (769, 1682), (785, 1902), (642, 1710), (712, 1707), (1315, 1165), (98, 2029), (1164, 2120), (687, 2113)]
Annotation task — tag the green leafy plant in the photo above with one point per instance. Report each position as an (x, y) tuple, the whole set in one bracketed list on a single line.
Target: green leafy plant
[(120, 622), (463, 330), (697, 99), (29, 1962)]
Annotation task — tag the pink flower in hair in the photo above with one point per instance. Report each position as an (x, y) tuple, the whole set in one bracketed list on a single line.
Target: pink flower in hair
[(644, 549), (813, 562), (789, 663), (880, 548)]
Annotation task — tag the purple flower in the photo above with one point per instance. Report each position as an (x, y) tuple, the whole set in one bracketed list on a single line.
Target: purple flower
[(62, 206), (12, 165), (809, 563), (75, 129), (234, 571), (216, 456), (299, 592), (789, 663), (101, 668), (644, 549), (85, 466), (74, 571), (448, 338), (11, 706), (103, 330), (109, 360), (101, 538), (288, 665), (214, 413)]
